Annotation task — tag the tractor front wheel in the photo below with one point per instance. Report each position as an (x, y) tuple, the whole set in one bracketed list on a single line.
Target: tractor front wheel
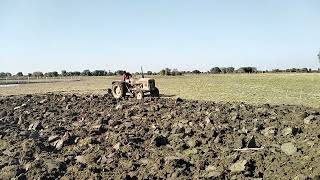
[(140, 95)]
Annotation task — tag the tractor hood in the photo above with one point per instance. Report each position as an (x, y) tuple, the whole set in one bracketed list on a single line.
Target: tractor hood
[(147, 84), (143, 80)]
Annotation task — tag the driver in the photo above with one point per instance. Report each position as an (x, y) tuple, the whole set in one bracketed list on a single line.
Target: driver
[(126, 77)]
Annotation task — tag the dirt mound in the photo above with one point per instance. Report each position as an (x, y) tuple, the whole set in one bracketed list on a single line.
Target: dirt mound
[(81, 137)]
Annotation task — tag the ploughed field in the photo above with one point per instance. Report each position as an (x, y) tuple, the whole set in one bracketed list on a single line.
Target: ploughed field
[(87, 136)]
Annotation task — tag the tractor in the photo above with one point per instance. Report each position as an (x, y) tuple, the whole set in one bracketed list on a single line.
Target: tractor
[(138, 88)]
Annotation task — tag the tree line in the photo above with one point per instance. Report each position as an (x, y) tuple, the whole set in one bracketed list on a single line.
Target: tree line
[(164, 72), (64, 73), (232, 70)]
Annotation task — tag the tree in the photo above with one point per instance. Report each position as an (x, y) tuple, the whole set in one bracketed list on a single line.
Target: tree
[(305, 70), (196, 72), (3, 74), (168, 71), (215, 70), (51, 74), (98, 73), (86, 73), (149, 73), (119, 72), (230, 69), (37, 74), (19, 74), (55, 74), (76, 73), (63, 73), (223, 70), (165, 72), (162, 72), (254, 70), (176, 72), (109, 73)]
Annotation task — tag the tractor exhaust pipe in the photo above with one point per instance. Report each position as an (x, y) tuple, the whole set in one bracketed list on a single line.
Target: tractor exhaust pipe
[(142, 72)]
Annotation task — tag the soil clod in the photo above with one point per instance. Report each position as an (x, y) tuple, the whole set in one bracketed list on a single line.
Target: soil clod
[(57, 136)]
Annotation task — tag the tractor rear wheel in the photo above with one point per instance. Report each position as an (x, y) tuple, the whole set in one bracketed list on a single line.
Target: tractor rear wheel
[(118, 90), (155, 93)]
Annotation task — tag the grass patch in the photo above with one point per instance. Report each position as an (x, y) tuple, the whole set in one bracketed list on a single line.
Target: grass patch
[(294, 89)]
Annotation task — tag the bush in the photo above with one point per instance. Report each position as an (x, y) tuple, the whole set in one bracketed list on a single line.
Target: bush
[(291, 70), (247, 70), (304, 70), (276, 71)]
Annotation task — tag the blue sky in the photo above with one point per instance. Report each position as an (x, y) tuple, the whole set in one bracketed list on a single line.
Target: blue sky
[(49, 35)]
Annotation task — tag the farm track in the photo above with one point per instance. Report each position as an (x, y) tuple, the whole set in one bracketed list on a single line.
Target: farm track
[(87, 136)]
